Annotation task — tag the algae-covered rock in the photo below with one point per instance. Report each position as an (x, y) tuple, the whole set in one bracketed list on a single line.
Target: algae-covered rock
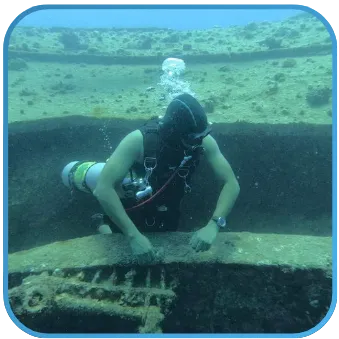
[(17, 64), (289, 63), (319, 95)]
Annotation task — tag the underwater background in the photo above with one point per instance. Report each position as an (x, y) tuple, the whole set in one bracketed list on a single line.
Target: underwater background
[(80, 80)]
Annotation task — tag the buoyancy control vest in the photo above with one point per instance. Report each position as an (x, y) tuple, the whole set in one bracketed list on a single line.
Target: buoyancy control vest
[(164, 160)]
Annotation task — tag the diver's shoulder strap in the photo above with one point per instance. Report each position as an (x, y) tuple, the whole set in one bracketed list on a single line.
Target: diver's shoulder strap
[(150, 132)]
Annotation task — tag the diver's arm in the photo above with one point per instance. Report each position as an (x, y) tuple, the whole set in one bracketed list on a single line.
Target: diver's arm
[(224, 172), (113, 173)]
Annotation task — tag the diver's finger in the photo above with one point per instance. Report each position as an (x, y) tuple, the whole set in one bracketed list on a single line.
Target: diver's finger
[(159, 254), (200, 246), (206, 246), (142, 259), (196, 245), (194, 241), (149, 257)]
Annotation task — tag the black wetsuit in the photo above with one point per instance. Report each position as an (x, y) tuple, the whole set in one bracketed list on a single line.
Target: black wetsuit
[(163, 213)]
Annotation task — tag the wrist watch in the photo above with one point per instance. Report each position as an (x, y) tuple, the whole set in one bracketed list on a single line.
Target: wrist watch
[(220, 221)]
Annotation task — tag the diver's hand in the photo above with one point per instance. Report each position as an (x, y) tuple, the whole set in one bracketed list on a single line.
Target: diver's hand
[(203, 239), (142, 249)]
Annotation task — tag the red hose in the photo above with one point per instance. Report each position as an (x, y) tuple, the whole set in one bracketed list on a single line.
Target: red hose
[(154, 195)]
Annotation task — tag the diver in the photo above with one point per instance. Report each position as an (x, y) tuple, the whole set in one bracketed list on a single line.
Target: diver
[(142, 184)]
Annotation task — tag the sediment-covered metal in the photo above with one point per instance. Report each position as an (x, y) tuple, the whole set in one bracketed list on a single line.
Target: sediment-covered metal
[(245, 283), (78, 291)]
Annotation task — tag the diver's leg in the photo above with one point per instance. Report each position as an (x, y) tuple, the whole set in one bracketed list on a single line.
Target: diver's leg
[(102, 223), (104, 229)]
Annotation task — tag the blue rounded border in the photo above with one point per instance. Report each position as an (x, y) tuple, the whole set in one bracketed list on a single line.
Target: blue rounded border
[(334, 169)]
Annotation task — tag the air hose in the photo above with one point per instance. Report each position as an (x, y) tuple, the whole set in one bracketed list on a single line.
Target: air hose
[(183, 162)]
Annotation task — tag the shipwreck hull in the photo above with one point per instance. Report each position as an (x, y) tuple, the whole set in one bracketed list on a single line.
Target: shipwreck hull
[(246, 283)]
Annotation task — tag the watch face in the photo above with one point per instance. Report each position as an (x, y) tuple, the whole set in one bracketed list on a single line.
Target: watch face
[(221, 222)]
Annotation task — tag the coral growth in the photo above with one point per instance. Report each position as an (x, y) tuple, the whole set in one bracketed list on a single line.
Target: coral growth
[(71, 41), (318, 96), (17, 64)]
